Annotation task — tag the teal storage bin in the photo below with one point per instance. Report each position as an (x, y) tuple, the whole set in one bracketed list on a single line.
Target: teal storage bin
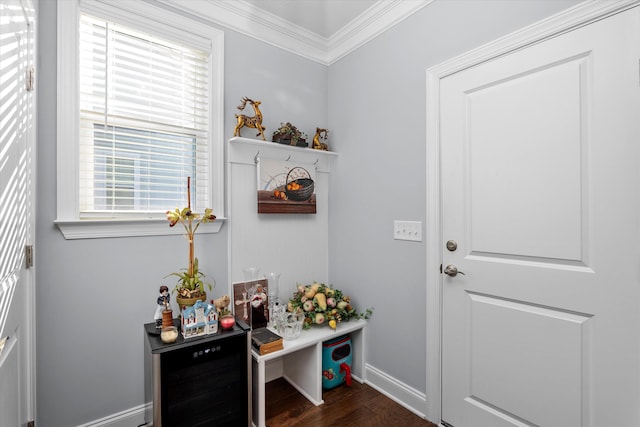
[(336, 362)]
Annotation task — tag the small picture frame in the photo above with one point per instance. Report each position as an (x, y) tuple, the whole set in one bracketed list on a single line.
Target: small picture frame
[(286, 187), (251, 302)]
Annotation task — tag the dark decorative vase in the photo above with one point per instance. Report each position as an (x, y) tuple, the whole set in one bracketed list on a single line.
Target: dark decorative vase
[(286, 139)]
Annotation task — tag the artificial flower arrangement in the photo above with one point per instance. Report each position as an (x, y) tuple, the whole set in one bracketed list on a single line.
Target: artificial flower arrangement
[(190, 283), (289, 134), (323, 305)]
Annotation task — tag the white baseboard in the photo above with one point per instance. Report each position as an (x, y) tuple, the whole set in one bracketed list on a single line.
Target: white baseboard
[(401, 393), (130, 418), (395, 390)]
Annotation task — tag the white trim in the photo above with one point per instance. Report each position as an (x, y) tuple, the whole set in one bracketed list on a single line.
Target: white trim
[(149, 17), (562, 22), (217, 142), (399, 392), (68, 106), (373, 22), (241, 16), (96, 229), (433, 249), (568, 20), (249, 151)]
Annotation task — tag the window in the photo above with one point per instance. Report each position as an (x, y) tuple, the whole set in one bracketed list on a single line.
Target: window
[(136, 170), (143, 121), (145, 114)]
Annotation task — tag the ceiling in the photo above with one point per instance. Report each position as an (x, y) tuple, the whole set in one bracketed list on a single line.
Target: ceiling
[(323, 17), (321, 30)]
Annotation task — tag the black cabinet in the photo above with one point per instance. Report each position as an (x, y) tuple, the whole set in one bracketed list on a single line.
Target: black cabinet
[(201, 381)]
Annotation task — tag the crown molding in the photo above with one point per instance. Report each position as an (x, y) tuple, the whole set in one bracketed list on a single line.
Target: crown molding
[(241, 16), (374, 21)]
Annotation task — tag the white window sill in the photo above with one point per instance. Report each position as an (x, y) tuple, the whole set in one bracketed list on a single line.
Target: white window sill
[(97, 229)]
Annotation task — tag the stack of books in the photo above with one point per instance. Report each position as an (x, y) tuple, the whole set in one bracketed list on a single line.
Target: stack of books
[(265, 341)]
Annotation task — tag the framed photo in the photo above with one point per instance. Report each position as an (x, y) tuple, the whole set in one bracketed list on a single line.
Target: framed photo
[(286, 187), (251, 302)]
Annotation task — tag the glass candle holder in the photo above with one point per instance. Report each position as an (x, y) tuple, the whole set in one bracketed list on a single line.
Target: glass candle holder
[(272, 292), (289, 325), (227, 321), (169, 334), (251, 273)]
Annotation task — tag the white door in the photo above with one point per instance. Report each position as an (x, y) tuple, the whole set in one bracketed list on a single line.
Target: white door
[(540, 153), (17, 177)]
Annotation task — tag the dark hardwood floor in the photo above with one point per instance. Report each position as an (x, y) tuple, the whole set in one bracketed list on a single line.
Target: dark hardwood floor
[(357, 406)]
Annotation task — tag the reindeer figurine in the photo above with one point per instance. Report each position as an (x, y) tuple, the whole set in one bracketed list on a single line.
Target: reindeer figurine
[(250, 121), (320, 134)]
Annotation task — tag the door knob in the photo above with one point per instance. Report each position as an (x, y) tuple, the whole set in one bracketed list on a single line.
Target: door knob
[(452, 270), (452, 245)]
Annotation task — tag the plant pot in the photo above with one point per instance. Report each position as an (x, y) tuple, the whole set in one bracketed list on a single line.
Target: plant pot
[(284, 139), (188, 302)]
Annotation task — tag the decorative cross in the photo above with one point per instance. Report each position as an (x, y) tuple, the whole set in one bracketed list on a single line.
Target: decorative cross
[(244, 301)]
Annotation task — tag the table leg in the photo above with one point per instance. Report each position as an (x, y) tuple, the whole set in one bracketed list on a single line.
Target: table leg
[(303, 370), (258, 394)]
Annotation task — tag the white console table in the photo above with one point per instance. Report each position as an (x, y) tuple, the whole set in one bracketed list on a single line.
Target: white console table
[(302, 363)]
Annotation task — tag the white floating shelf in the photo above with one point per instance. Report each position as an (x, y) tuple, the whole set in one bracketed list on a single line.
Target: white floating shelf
[(247, 150)]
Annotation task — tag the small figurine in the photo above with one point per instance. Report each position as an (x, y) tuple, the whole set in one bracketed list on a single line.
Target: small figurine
[(259, 312), (199, 319), (163, 304), (320, 134), (250, 121), (222, 303)]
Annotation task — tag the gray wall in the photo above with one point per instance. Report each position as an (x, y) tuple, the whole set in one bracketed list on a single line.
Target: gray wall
[(377, 123), (94, 295)]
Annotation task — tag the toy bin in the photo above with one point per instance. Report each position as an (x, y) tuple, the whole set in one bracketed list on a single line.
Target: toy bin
[(336, 362)]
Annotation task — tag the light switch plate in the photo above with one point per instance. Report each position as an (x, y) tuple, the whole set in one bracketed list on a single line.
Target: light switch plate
[(407, 230)]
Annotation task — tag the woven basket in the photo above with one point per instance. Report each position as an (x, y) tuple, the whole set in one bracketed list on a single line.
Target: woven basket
[(306, 186)]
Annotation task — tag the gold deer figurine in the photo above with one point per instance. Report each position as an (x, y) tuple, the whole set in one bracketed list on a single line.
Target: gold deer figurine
[(320, 134), (250, 121)]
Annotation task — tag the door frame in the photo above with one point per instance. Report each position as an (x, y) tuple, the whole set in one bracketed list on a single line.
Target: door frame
[(563, 22), (26, 276)]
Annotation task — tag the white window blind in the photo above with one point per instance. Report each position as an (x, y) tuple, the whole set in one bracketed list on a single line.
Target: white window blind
[(144, 122)]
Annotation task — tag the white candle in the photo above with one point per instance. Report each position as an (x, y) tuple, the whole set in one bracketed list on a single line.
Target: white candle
[(169, 335)]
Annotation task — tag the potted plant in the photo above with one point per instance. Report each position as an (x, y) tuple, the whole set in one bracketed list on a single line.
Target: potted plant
[(191, 286), (289, 134)]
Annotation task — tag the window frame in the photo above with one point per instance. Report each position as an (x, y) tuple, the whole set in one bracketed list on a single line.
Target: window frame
[(154, 19)]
